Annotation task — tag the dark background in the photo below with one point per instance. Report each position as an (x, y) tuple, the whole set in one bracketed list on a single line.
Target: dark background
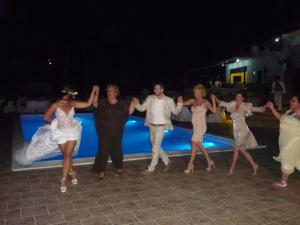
[(132, 45)]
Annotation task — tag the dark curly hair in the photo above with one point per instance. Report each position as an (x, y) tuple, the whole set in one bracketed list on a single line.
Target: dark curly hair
[(243, 93)]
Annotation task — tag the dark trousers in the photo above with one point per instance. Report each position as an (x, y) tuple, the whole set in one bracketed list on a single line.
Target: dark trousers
[(108, 146)]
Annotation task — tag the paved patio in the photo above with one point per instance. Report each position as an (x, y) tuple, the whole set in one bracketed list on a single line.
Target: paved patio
[(33, 197)]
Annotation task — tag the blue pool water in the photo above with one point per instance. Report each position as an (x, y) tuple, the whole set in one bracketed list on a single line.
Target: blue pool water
[(135, 139)]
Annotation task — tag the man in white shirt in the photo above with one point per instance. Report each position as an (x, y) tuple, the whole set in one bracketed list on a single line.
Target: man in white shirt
[(158, 109), (278, 89)]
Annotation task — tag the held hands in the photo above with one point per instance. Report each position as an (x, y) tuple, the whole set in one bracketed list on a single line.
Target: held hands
[(270, 105), (180, 100), (135, 101), (213, 97), (96, 89)]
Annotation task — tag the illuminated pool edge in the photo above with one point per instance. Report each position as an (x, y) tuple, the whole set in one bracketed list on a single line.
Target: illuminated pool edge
[(89, 160)]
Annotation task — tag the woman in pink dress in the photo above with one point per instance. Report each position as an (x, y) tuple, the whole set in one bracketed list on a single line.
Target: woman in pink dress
[(199, 107)]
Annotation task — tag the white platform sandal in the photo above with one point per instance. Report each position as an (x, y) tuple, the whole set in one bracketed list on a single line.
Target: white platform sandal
[(63, 189)]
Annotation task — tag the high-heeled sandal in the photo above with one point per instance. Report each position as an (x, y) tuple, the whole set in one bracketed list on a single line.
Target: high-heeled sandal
[(255, 170), (211, 164), (63, 189), (280, 184), (190, 169), (74, 178)]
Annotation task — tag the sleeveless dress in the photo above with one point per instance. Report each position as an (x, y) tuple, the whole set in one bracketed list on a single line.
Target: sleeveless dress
[(242, 135), (199, 122), (45, 141), (289, 142)]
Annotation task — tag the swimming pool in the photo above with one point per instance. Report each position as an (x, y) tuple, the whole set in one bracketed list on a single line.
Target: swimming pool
[(135, 140)]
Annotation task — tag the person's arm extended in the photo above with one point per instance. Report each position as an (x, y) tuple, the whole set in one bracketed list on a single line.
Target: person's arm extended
[(96, 98), (142, 107), (49, 112), (86, 104), (277, 114), (131, 107), (188, 102), (212, 107), (259, 109), (176, 109), (212, 96)]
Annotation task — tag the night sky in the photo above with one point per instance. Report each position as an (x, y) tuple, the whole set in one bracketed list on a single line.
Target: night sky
[(132, 45)]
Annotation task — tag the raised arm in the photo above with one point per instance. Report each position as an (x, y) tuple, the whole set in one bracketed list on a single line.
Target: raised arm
[(86, 104), (49, 112), (176, 109), (131, 107), (96, 97), (277, 114), (141, 107), (212, 107), (212, 96)]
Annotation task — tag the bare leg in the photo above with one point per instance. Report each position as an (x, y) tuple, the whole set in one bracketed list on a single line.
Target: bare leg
[(193, 154), (234, 160), (68, 149), (206, 155), (63, 180), (71, 167), (250, 160), (285, 177), (72, 172)]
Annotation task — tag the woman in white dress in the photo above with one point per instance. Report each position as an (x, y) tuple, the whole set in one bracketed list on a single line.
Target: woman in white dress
[(289, 140), (199, 106), (244, 138), (64, 132)]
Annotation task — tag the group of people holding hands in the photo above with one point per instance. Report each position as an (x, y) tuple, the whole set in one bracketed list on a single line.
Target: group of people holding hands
[(110, 114)]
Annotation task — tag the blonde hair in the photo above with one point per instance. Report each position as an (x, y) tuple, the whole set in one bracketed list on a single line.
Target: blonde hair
[(200, 88)]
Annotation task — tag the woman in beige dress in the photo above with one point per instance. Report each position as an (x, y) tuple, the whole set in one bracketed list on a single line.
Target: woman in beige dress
[(244, 138), (199, 107), (289, 140)]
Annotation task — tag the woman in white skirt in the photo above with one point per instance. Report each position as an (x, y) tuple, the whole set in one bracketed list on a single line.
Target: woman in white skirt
[(62, 135), (289, 140)]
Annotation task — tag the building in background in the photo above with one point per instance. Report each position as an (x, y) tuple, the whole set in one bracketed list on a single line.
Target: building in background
[(279, 56)]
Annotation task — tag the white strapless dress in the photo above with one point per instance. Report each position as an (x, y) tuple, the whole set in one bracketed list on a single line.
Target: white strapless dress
[(45, 141)]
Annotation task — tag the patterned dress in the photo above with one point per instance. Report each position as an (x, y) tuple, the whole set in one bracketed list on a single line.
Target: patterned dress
[(242, 135)]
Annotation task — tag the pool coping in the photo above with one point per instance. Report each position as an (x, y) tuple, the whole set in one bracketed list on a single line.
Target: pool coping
[(18, 143)]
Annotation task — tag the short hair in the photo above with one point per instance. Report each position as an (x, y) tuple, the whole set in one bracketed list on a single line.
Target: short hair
[(296, 95), (160, 84), (243, 93), (114, 86), (200, 88)]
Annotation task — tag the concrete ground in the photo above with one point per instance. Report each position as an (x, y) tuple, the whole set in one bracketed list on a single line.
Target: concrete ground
[(33, 197)]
